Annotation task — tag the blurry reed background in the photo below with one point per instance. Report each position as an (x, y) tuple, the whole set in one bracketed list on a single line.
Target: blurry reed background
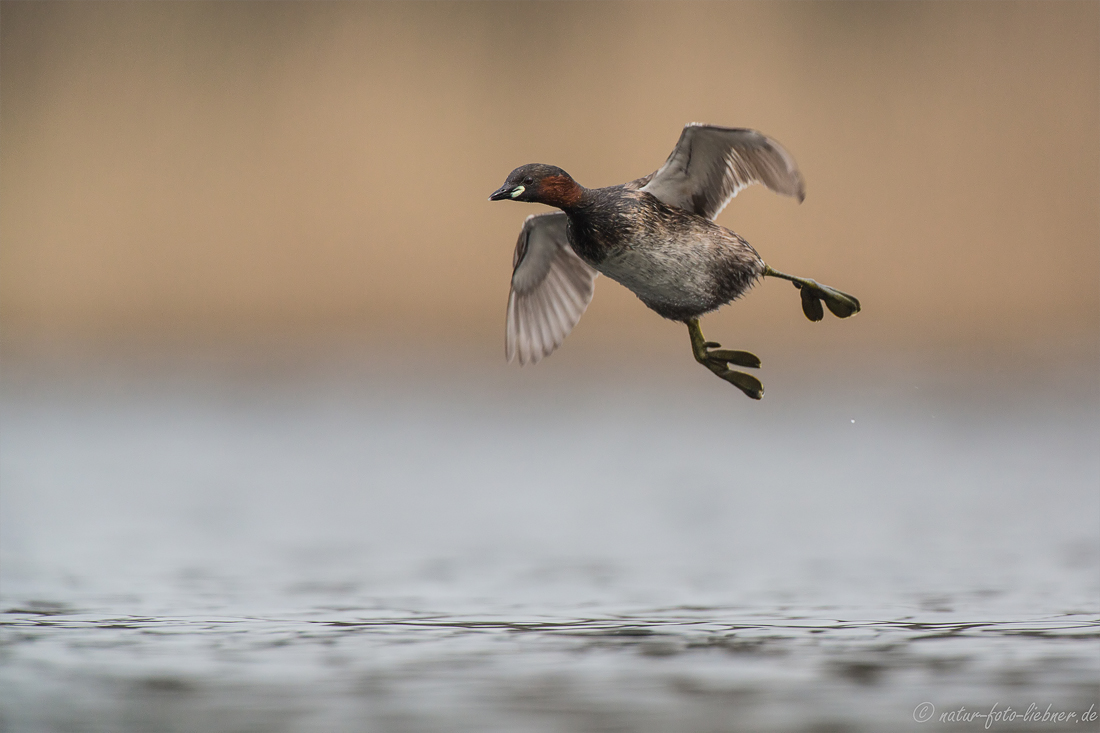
[(187, 174)]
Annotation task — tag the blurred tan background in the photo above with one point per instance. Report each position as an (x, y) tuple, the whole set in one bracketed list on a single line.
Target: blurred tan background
[(233, 172)]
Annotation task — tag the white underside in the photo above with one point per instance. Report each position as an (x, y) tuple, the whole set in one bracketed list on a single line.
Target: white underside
[(664, 273)]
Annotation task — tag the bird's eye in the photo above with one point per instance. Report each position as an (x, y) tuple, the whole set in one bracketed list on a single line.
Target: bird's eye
[(528, 181)]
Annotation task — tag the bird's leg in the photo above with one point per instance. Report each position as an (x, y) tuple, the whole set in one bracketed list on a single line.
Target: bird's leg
[(717, 360), (841, 304)]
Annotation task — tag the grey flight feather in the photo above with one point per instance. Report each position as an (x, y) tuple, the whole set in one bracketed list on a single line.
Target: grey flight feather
[(711, 164), (551, 288)]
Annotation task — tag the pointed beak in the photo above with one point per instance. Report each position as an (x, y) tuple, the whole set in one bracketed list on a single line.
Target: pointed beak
[(504, 192)]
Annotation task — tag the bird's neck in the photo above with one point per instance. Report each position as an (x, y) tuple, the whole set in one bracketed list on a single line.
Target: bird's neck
[(562, 192)]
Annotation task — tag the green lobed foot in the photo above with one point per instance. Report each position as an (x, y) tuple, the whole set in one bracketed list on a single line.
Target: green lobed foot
[(840, 304), (710, 355)]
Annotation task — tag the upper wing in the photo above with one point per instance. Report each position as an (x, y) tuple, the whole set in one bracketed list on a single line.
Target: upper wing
[(551, 287), (711, 164)]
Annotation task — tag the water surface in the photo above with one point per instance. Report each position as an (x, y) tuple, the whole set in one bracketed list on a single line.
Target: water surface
[(379, 556)]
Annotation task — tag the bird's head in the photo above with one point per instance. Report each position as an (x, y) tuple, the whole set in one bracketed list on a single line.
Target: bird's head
[(540, 184)]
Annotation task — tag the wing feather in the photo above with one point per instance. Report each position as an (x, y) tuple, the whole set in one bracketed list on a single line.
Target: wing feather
[(710, 164), (551, 288)]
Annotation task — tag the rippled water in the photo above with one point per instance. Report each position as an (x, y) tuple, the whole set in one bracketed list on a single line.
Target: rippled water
[(341, 557)]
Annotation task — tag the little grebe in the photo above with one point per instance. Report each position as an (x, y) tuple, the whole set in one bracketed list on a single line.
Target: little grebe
[(657, 237)]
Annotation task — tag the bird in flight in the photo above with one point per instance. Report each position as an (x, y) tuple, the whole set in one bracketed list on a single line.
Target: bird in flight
[(656, 236)]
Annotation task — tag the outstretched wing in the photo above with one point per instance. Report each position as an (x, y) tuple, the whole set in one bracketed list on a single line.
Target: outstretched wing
[(551, 287), (711, 164)]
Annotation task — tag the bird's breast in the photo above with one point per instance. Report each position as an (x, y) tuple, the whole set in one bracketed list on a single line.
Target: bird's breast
[(660, 270)]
